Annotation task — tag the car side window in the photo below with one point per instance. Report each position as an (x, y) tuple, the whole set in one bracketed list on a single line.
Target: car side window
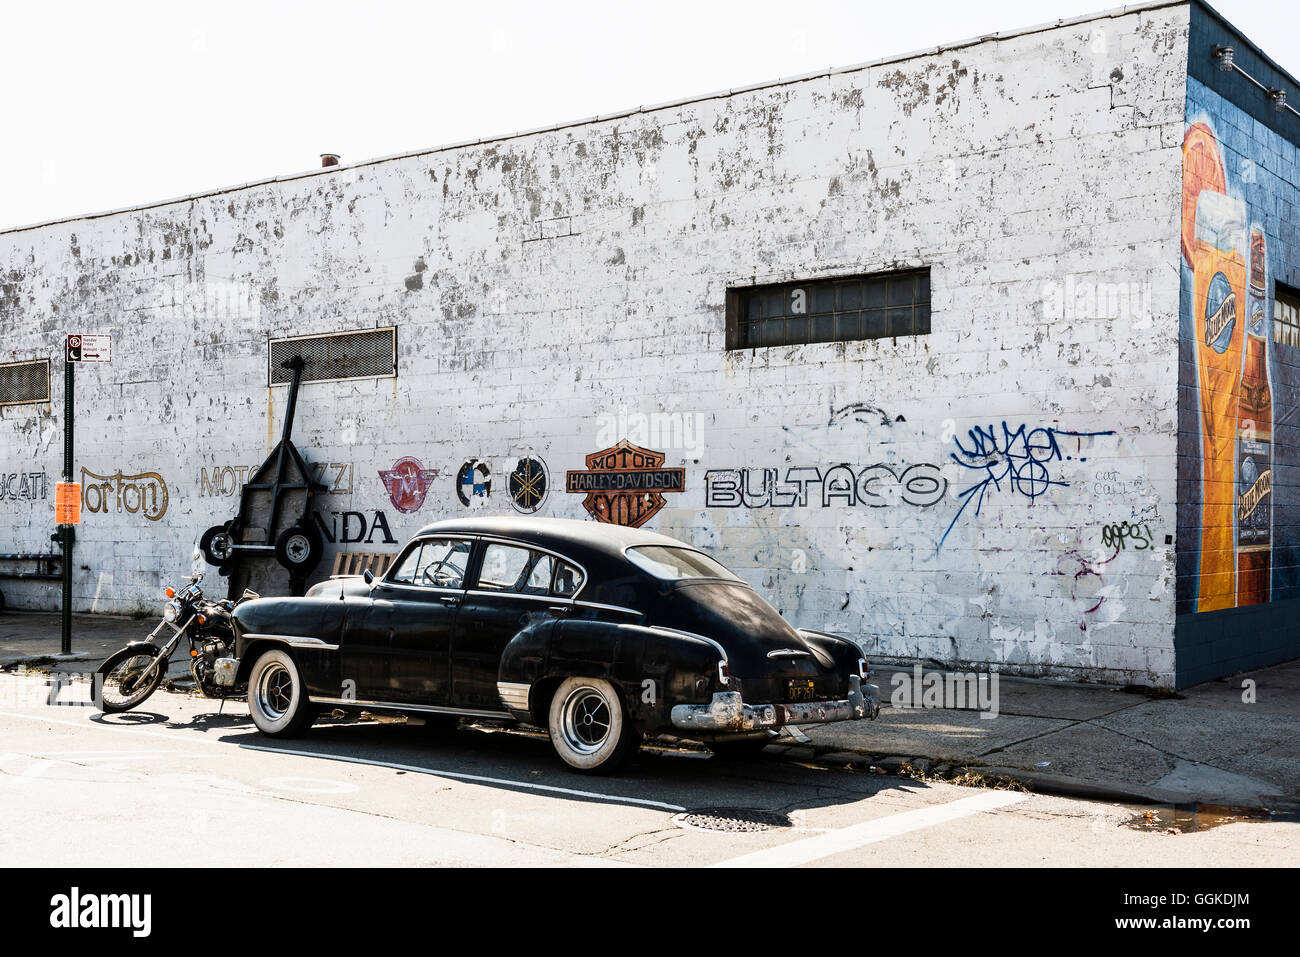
[(567, 581), (539, 578), (503, 568), (404, 570), (443, 563)]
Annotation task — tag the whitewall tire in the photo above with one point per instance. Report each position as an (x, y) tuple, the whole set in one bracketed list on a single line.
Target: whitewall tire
[(277, 697), (589, 729)]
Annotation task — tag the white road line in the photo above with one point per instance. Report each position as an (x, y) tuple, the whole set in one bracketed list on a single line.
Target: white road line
[(869, 832), (478, 778)]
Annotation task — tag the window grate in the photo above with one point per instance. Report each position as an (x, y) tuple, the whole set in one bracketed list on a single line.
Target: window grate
[(333, 357), (1286, 315), (23, 383), (875, 306)]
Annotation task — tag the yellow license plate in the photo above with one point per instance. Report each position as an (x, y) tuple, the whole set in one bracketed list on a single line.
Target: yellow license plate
[(801, 690)]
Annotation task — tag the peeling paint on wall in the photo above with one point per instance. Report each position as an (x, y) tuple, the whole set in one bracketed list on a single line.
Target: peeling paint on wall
[(558, 292)]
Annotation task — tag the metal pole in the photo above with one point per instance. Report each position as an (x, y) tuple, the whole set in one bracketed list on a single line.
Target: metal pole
[(67, 530)]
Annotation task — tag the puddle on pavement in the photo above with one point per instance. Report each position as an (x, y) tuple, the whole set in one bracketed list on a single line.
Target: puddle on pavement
[(1187, 819)]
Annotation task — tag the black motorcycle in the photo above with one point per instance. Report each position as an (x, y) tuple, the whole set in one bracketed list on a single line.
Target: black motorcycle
[(128, 677)]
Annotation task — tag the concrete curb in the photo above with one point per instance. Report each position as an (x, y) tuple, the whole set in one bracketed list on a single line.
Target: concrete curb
[(40, 661), (948, 768)]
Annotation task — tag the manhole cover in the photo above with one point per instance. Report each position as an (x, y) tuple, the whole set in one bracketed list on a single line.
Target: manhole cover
[(732, 819)]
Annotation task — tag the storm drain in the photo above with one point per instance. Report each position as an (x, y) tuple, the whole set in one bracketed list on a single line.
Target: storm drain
[(732, 819)]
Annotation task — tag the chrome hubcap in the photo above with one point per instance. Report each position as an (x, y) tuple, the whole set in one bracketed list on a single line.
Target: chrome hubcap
[(585, 720), (275, 692)]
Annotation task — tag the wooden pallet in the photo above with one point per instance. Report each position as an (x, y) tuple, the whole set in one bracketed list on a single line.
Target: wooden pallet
[(354, 563)]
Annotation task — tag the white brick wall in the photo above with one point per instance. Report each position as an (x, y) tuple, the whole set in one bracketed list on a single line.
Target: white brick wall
[(571, 275)]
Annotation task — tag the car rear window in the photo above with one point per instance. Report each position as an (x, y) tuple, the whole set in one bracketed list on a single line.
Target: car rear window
[(568, 580), (675, 564)]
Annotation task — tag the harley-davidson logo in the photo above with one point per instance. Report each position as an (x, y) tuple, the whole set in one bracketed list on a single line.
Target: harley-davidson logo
[(408, 482), (624, 485)]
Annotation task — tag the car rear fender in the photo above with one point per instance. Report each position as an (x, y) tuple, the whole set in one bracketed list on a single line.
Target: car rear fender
[(845, 652), (651, 668)]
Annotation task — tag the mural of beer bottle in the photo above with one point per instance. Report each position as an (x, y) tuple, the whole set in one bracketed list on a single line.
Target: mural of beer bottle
[(1219, 294), (1255, 441)]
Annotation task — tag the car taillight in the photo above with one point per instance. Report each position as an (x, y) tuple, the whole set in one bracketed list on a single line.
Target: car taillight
[(864, 672), (724, 673)]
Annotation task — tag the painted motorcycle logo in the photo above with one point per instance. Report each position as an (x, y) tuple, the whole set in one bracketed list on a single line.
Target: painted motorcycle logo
[(528, 485), (408, 482), (624, 485), (474, 483)]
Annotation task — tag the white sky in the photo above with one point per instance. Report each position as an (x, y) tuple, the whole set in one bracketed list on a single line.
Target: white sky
[(106, 105)]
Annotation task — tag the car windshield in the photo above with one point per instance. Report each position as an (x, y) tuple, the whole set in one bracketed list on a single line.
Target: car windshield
[(674, 564)]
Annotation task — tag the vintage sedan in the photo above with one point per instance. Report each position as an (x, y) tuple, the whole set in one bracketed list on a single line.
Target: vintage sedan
[(597, 633)]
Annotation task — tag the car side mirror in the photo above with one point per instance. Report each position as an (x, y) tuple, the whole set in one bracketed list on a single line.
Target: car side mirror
[(369, 576)]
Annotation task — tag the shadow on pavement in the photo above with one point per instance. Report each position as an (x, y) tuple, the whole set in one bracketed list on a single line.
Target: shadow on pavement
[(659, 776)]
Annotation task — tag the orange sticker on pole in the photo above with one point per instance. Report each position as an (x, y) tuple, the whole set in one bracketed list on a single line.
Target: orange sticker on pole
[(67, 503)]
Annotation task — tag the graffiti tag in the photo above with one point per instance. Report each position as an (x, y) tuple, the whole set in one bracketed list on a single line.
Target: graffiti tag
[(1124, 535), (1018, 460)]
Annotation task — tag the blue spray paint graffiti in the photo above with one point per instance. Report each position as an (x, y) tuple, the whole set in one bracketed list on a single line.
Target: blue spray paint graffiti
[(1020, 457)]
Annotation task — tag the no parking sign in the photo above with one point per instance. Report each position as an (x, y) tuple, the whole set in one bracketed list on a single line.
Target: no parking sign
[(67, 503)]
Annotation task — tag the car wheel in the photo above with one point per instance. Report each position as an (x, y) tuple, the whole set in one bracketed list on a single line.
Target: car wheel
[(277, 698), (298, 547), (589, 729), (741, 749)]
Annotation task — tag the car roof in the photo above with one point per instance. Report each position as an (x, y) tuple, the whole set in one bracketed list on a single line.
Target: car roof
[(565, 535)]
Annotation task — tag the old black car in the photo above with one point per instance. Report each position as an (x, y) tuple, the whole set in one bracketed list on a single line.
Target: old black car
[(598, 633)]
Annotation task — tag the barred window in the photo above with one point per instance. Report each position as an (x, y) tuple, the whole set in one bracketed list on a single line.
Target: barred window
[(369, 354), (23, 383), (1286, 315), (875, 306)]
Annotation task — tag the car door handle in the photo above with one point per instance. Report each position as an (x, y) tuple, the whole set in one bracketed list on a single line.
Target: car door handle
[(560, 609), (452, 600)]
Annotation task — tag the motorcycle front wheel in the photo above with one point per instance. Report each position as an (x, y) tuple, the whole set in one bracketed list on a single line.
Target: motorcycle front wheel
[(124, 680)]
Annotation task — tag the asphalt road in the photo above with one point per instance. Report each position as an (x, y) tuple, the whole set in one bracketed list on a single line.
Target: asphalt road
[(178, 784)]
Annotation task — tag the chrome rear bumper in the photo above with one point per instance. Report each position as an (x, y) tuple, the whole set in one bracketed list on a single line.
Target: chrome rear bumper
[(728, 712)]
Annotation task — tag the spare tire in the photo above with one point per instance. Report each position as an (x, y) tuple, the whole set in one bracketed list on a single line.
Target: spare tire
[(299, 547), (216, 542)]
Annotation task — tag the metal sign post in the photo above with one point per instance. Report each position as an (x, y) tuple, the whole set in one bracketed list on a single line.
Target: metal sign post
[(79, 349)]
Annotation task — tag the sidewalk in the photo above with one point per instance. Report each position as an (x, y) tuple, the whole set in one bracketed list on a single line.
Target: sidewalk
[(34, 638), (1204, 746)]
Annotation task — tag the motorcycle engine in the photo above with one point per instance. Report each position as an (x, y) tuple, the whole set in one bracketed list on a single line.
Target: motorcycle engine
[(201, 666)]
